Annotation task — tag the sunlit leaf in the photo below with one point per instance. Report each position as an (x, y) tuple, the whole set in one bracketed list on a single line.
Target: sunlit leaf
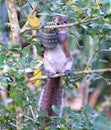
[(56, 109), (37, 73), (33, 21), (70, 2)]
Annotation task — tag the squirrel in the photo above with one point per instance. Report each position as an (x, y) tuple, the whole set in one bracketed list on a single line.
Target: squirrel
[(56, 60)]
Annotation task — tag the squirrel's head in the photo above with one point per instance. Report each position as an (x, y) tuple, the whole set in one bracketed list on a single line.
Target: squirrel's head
[(60, 20), (61, 32)]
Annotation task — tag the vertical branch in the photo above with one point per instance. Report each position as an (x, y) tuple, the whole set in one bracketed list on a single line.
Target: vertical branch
[(14, 24), (31, 109), (16, 39), (88, 67), (34, 32)]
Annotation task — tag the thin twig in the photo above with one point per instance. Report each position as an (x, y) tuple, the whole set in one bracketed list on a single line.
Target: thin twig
[(31, 109), (30, 4), (26, 24), (97, 3), (3, 72), (30, 119), (90, 59), (13, 125)]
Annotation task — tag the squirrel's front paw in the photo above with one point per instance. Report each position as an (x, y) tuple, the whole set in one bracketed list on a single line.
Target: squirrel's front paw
[(50, 74), (67, 72)]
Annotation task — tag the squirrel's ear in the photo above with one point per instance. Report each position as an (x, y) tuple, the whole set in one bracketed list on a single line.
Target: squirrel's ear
[(65, 19), (57, 18), (68, 18)]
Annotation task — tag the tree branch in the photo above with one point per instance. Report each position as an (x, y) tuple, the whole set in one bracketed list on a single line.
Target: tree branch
[(16, 39), (31, 109), (75, 73), (62, 26), (62, 74), (25, 27), (14, 23)]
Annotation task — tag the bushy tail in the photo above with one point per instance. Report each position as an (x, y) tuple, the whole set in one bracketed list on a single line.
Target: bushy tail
[(51, 95)]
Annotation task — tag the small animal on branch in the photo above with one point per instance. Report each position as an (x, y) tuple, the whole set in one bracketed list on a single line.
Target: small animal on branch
[(57, 59)]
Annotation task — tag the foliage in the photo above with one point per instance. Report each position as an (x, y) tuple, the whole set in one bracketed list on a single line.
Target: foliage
[(14, 77), (13, 70)]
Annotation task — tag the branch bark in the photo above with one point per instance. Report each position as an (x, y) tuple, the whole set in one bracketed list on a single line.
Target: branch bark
[(86, 20), (74, 73), (88, 67), (16, 39), (14, 24)]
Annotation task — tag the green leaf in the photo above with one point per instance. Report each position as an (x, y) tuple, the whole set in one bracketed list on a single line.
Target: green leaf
[(4, 45), (48, 9), (25, 51), (15, 49), (62, 121), (39, 48), (85, 2), (12, 94), (18, 99), (66, 110), (73, 115), (88, 108), (46, 128), (102, 118), (26, 92), (43, 113), (56, 109)]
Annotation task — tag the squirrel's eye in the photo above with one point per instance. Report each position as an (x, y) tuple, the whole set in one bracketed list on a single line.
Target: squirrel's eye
[(65, 21)]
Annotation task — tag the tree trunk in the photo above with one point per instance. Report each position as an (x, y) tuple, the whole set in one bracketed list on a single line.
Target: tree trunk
[(16, 40)]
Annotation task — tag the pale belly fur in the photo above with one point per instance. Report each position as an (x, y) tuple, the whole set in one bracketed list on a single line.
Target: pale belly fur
[(55, 60)]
